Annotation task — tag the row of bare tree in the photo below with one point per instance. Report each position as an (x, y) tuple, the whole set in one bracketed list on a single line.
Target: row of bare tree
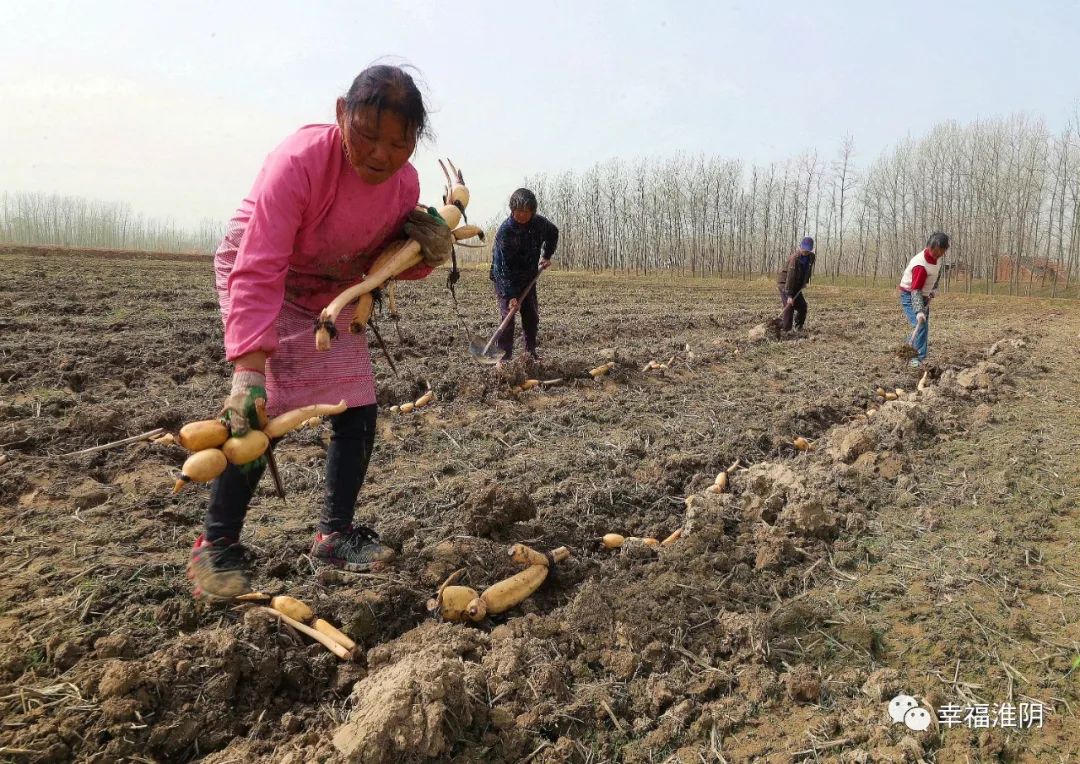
[(1006, 190), (72, 221)]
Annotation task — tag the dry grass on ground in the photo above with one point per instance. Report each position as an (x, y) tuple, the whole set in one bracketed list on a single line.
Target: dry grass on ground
[(929, 549)]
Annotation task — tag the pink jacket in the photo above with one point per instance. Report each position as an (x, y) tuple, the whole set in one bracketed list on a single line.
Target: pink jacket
[(306, 231)]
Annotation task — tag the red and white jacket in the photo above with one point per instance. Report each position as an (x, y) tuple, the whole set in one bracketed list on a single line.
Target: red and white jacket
[(920, 278), (921, 274)]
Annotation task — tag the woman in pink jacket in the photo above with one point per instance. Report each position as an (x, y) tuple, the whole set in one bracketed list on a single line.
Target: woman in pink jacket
[(325, 203)]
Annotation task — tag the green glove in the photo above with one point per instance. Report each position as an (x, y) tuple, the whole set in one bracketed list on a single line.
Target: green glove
[(434, 212), (248, 395)]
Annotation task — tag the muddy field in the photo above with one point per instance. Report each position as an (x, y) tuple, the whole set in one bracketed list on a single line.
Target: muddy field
[(927, 550)]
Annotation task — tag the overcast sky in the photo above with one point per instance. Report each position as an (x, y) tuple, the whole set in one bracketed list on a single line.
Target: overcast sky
[(172, 106)]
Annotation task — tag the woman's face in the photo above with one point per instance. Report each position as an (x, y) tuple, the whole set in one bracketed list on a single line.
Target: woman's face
[(522, 216), (377, 144)]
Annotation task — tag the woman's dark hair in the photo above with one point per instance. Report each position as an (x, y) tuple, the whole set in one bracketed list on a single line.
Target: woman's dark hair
[(938, 239), (393, 89), (523, 199)]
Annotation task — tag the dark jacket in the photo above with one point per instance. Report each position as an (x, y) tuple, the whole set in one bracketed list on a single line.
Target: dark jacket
[(517, 252), (796, 272)]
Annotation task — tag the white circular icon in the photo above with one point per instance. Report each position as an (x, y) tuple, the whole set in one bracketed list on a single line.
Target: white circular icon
[(899, 706), (917, 719)]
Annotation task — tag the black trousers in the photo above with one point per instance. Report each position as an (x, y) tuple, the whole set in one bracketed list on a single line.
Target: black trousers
[(530, 322), (796, 311), (347, 460)]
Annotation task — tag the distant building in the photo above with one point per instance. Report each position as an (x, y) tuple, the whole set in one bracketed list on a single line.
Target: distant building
[(1030, 269), (955, 271)]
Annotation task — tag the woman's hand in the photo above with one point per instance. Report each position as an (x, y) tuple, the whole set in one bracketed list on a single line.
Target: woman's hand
[(246, 403), (428, 229)]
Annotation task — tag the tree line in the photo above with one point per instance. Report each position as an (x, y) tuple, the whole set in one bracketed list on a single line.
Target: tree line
[(72, 221), (1006, 190)]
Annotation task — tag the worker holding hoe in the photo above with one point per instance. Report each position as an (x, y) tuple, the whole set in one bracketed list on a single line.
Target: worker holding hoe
[(791, 281), (326, 202), (524, 243), (918, 286)]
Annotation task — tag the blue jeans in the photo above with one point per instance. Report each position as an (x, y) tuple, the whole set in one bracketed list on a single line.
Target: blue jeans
[(921, 341)]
